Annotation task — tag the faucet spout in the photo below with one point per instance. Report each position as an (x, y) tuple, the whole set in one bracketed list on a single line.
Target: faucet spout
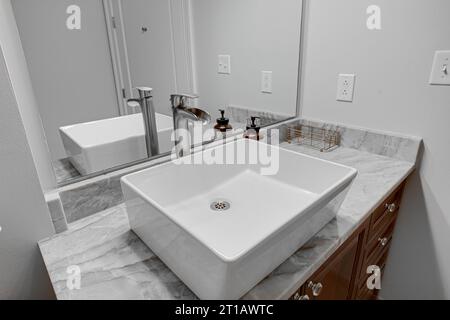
[(180, 100), (182, 115)]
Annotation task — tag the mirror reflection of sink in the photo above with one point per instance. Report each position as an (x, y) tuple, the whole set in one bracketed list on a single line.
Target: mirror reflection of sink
[(223, 228), (101, 145)]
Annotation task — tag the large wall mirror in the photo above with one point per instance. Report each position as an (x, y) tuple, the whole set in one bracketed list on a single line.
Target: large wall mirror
[(241, 56)]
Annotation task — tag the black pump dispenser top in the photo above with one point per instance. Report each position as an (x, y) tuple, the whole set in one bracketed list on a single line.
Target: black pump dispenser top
[(223, 124), (223, 121), (253, 129), (253, 124)]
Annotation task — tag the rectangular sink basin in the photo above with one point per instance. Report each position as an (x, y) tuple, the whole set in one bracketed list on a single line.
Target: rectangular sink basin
[(223, 228), (100, 145)]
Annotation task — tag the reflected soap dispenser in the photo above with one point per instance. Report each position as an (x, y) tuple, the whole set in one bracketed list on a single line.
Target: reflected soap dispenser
[(253, 129), (223, 124)]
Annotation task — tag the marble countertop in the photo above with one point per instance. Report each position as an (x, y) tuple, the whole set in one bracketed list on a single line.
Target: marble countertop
[(116, 264)]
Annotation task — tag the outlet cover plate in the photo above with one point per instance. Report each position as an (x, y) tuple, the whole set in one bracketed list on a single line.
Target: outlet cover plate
[(345, 87), (224, 64), (440, 73), (266, 82)]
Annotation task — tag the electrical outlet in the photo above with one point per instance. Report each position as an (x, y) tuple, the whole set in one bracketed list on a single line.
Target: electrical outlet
[(345, 88), (266, 81), (224, 64)]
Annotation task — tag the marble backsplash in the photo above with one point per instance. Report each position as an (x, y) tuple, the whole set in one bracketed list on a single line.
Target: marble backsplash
[(92, 198), (65, 171), (241, 115), (392, 145), (57, 213)]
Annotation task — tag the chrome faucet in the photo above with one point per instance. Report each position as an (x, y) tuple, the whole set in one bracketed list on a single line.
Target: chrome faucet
[(182, 115), (145, 102)]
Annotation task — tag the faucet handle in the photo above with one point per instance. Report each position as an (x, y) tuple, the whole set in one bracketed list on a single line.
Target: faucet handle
[(144, 92), (182, 95)]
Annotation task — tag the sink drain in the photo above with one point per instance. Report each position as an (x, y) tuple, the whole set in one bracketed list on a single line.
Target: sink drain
[(220, 205)]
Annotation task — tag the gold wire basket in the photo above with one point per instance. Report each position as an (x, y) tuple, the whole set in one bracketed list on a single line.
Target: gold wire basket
[(320, 139)]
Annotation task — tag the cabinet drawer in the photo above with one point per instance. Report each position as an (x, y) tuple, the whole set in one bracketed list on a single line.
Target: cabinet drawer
[(379, 231), (381, 263), (344, 275), (335, 278), (385, 214), (379, 244), (364, 293)]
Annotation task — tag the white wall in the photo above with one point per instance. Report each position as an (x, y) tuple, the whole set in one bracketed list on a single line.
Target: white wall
[(71, 71), (392, 93), (20, 78), (22, 272), (260, 35)]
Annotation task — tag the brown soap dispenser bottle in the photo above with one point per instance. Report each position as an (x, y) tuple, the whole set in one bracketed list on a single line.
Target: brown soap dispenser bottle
[(223, 124), (253, 129)]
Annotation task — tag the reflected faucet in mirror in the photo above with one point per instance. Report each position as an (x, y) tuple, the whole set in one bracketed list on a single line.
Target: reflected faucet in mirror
[(182, 115), (145, 103)]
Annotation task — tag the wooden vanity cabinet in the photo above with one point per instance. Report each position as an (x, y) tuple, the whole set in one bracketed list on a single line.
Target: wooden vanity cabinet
[(344, 275)]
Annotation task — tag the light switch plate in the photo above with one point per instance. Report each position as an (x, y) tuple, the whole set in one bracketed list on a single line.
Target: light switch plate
[(345, 88), (266, 81), (440, 73), (224, 64)]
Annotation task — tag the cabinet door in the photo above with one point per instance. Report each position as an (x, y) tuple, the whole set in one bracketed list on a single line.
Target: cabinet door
[(334, 280)]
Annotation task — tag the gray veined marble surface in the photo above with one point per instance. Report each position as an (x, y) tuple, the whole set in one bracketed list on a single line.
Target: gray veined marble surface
[(65, 171), (387, 144), (115, 264), (242, 114), (56, 212), (91, 198)]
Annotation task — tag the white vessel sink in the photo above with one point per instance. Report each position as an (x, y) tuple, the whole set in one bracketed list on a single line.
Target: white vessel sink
[(100, 145), (223, 254)]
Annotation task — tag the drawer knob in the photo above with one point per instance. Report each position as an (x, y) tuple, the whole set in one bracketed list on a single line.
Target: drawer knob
[(391, 207), (299, 297), (383, 241), (316, 288)]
